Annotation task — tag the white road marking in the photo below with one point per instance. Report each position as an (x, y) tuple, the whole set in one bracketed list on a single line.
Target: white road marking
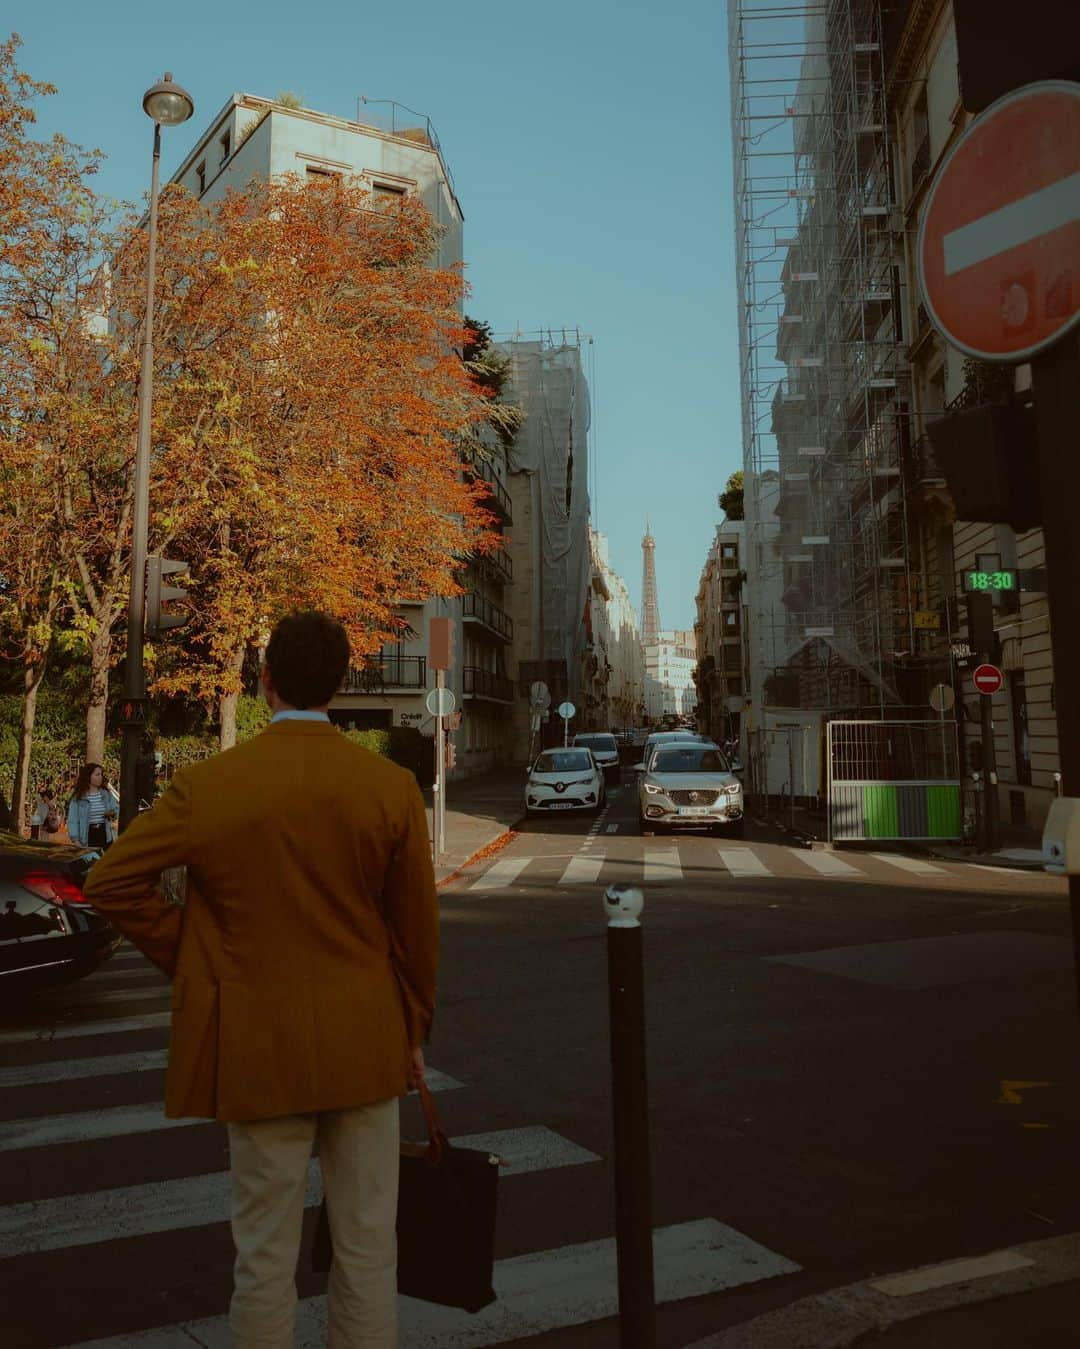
[(501, 874), (101, 997), (126, 976), (950, 1272), (1028, 218), (536, 1293), (826, 863), (662, 866), (85, 1125), (1008, 871), (742, 862), (198, 1201), (118, 1026), (71, 1070), (915, 864), (582, 870)]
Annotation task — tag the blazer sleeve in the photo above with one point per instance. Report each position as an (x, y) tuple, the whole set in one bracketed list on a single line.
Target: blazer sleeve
[(411, 908), (123, 885)]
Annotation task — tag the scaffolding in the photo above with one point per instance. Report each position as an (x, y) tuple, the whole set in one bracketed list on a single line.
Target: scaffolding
[(825, 391)]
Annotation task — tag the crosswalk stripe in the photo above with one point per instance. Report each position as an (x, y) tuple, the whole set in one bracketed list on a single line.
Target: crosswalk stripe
[(662, 865), (582, 870), (826, 863), (83, 995), (128, 976), (116, 1026), (71, 1070), (742, 862), (915, 864), (536, 1293), (38, 1225), (84, 1126), (500, 874)]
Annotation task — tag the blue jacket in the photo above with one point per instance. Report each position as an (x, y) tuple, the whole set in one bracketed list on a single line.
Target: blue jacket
[(78, 821)]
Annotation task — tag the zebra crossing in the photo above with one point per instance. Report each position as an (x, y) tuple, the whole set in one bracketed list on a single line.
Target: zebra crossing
[(600, 861), (115, 1101)]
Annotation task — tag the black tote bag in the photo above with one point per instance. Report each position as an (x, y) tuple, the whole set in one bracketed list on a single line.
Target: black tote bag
[(445, 1220)]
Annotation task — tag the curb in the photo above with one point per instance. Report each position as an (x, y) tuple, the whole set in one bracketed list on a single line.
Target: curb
[(495, 844), (857, 1313)]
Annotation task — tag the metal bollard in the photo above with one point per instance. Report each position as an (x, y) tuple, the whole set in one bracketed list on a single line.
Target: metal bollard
[(630, 1110)]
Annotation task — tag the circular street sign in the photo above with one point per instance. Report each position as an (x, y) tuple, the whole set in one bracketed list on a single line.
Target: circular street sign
[(988, 678), (736, 703), (566, 710), (942, 698), (998, 254), (539, 696), (440, 702)]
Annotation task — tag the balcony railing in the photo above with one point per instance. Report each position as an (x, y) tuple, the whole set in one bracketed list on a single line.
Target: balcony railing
[(382, 673), (500, 497), (479, 609), (920, 164), (922, 467), (487, 684), (497, 564)]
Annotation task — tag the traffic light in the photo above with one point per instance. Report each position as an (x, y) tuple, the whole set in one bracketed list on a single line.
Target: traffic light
[(159, 594), (982, 638), (987, 454)]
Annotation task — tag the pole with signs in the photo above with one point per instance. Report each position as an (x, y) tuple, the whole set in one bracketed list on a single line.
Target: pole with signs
[(567, 711), (440, 703)]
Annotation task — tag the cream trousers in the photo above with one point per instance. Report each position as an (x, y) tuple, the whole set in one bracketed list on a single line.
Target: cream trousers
[(358, 1154)]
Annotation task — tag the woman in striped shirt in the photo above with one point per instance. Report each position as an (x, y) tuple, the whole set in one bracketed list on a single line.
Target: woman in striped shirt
[(92, 812)]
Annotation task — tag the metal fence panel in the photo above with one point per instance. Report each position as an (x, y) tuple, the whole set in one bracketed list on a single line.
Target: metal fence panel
[(893, 780)]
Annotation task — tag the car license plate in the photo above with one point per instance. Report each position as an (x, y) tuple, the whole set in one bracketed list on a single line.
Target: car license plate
[(561, 805), (693, 810)]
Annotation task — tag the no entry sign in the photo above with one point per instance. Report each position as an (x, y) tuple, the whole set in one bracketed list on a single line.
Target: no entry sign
[(988, 678), (998, 253)]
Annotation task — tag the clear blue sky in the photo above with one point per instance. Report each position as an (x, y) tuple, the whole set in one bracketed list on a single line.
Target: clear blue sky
[(590, 146)]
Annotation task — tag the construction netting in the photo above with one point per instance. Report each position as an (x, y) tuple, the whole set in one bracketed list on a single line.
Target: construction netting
[(548, 383)]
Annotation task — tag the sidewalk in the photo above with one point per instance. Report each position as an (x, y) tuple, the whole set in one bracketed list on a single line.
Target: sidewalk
[(479, 812), (1027, 1295)]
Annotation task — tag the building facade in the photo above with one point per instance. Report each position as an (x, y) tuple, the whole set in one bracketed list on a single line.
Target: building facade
[(548, 546), (670, 664), (926, 117), (258, 137), (719, 635), (614, 672)]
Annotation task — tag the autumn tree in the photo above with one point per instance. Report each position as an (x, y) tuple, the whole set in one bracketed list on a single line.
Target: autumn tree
[(311, 422), (52, 231)]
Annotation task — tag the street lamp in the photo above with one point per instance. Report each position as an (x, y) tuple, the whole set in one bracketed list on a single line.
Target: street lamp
[(166, 104)]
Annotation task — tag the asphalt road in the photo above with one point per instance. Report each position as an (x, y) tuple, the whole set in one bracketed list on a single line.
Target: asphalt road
[(853, 1070)]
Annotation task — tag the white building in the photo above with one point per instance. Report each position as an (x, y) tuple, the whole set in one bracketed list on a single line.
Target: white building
[(258, 137), (669, 676), (614, 672)]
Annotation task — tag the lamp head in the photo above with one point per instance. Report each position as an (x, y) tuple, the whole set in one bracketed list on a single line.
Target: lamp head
[(167, 104)]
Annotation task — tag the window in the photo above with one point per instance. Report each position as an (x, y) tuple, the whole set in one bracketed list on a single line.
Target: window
[(226, 146), (729, 554), (200, 173), (317, 174), (387, 190)]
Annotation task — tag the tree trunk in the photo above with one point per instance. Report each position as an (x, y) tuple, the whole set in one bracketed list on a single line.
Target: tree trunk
[(33, 674), (100, 660), (228, 702)]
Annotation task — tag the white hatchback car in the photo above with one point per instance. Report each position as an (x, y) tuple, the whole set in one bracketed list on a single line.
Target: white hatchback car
[(564, 779)]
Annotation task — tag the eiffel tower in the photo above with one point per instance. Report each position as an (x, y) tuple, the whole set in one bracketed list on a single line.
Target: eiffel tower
[(650, 608)]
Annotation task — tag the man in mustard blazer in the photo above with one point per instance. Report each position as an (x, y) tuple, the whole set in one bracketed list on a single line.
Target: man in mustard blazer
[(303, 965)]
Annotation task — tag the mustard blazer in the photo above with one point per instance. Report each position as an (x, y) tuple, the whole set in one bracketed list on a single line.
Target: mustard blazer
[(304, 960)]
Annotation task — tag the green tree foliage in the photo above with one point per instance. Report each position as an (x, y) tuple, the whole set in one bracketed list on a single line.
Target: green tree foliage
[(731, 498)]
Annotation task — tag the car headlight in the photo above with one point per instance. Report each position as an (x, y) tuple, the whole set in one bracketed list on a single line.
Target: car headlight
[(653, 791), (733, 789)]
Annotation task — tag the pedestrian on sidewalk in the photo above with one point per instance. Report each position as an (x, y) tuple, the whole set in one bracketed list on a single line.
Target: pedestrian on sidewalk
[(92, 811), (303, 965), (45, 822)]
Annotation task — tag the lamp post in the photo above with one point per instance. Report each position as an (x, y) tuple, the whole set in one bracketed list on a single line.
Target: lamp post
[(166, 104)]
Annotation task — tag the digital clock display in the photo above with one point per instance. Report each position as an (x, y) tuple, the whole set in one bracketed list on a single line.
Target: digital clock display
[(991, 580)]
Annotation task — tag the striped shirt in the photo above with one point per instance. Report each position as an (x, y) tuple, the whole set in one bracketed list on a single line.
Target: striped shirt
[(101, 804)]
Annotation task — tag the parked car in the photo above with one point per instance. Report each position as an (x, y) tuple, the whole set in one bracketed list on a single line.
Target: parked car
[(564, 779), (605, 750), (49, 934), (657, 738), (690, 785)]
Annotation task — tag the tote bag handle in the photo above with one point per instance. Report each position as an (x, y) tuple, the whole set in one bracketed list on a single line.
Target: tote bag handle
[(437, 1140)]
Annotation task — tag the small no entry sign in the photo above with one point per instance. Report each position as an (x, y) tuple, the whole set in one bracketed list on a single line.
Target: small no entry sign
[(988, 678)]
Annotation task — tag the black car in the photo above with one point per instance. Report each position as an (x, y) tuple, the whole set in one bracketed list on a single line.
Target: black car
[(49, 934)]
